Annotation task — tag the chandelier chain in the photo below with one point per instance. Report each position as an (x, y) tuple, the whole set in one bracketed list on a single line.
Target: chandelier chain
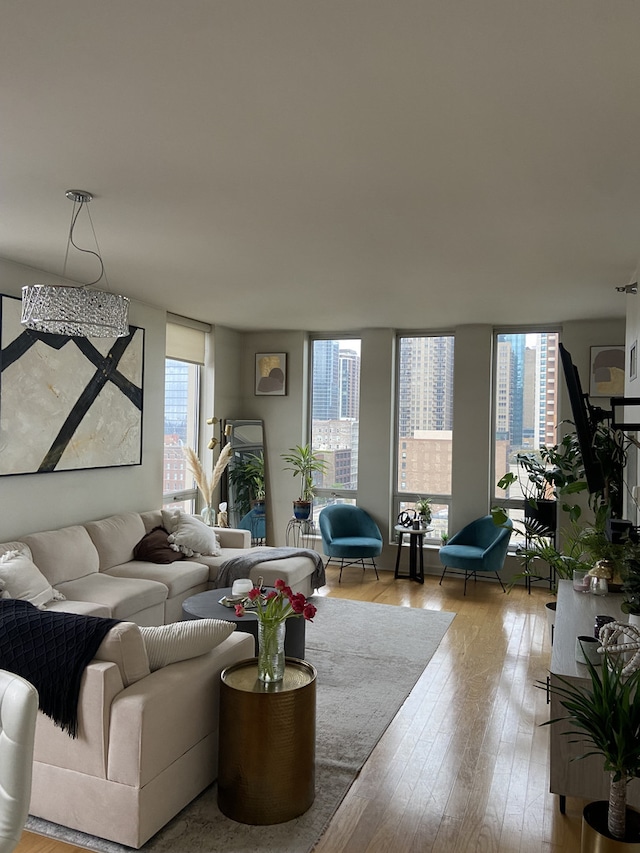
[(74, 218)]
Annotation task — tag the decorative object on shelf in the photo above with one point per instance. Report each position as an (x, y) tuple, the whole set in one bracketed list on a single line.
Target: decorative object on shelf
[(305, 463), (581, 580), (606, 714), (423, 506), (223, 518), (600, 576), (206, 486), (407, 517), (587, 649), (75, 310), (271, 374), (272, 610), (620, 638), (599, 622)]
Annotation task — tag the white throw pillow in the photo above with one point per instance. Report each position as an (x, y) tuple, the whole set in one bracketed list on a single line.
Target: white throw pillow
[(191, 536), (21, 578), (183, 640), (170, 518)]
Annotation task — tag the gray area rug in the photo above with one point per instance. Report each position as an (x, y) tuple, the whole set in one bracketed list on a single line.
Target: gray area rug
[(368, 658)]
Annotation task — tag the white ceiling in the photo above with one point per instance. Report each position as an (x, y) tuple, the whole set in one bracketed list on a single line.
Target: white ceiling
[(330, 164)]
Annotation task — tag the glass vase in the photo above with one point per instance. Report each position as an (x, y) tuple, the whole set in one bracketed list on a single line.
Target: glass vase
[(208, 515), (271, 650)]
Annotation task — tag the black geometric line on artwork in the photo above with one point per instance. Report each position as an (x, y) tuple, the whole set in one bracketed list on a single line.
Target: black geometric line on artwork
[(106, 372), (23, 343)]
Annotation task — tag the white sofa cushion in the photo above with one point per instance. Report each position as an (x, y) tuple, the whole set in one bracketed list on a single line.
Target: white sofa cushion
[(124, 597), (177, 577), (124, 646), (183, 640), (21, 578), (116, 537), (63, 555)]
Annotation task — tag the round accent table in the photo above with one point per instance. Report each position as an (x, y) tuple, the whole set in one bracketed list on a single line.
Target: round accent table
[(416, 544), (206, 605), (266, 769)]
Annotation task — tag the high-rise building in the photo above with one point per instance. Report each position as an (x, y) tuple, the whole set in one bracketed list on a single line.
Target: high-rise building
[(349, 369), (176, 398), (516, 391), (426, 379), (326, 380)]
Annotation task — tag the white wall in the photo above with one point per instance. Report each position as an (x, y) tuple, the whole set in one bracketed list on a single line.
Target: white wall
[(33, 502)]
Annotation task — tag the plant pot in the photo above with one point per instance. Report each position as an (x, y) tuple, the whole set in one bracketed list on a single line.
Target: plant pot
[(302, 510), (634, 619), (550, 610), (545, 515), (595, 837)]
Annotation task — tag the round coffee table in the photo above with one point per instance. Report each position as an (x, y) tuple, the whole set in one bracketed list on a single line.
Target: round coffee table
[(206, 605)]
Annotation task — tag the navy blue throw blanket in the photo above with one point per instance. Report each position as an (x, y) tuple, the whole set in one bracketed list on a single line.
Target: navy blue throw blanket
[(51, 650)]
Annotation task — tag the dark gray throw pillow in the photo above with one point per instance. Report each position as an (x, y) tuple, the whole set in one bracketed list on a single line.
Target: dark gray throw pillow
[(154, 547)]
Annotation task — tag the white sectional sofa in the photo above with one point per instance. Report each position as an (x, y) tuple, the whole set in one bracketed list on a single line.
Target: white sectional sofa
[(93, 566), (148, 741)]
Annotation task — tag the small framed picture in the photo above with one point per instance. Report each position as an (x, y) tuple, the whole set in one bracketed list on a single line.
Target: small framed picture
[(633, 361), (271, 374), (607, 371)]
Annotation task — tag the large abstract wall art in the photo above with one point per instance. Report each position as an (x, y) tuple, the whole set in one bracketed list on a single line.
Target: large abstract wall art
[(67, 403)]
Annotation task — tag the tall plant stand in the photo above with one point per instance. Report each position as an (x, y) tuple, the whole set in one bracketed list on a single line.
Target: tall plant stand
[(545, 515)]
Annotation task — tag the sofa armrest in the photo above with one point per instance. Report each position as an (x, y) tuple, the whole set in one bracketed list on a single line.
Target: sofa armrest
[(233, 537), (101, 683), (160, 718)]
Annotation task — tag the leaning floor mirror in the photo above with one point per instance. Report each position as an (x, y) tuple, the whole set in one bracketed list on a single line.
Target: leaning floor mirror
[(245, 480)]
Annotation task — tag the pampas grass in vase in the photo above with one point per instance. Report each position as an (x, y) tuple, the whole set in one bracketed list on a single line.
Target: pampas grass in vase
[(207, 486)]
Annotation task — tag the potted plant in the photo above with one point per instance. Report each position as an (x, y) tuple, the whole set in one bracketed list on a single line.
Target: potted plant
[(631, 581), (423, 506), (304, 463), (248, 479), (607, 715), (545, 478)]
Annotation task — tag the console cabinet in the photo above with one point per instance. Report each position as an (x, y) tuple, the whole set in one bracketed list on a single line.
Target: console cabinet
[(586, 778)]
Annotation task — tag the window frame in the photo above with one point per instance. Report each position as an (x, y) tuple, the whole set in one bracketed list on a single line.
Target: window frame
[(398, 497), (513, 505), (331, 495), (189, 495)]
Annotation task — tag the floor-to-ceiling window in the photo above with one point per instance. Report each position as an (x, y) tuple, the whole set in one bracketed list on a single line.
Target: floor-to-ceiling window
[(525, 405), (335, 417), (183, 367), (424, 425)]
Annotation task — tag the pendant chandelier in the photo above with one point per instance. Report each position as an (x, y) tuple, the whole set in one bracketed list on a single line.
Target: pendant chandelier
[(71, 310)]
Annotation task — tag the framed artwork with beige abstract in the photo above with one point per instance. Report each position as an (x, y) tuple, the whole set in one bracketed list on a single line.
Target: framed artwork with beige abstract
[(607, 371), (271, 374)]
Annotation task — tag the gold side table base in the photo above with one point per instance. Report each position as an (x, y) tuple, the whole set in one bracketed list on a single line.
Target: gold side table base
[(266, 769)]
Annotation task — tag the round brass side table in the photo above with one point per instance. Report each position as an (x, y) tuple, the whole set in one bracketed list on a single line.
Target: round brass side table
[(266, 770)]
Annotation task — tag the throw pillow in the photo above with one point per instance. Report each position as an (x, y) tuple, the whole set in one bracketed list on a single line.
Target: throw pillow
[(183, 640), (191, 536), (21, 578), (170, 518), (154, 547)]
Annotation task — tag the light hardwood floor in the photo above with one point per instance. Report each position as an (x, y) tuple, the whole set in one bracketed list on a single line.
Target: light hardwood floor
[(464, 765)]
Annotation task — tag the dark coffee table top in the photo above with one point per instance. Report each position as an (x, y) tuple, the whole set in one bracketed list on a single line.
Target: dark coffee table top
[(206, 605)]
